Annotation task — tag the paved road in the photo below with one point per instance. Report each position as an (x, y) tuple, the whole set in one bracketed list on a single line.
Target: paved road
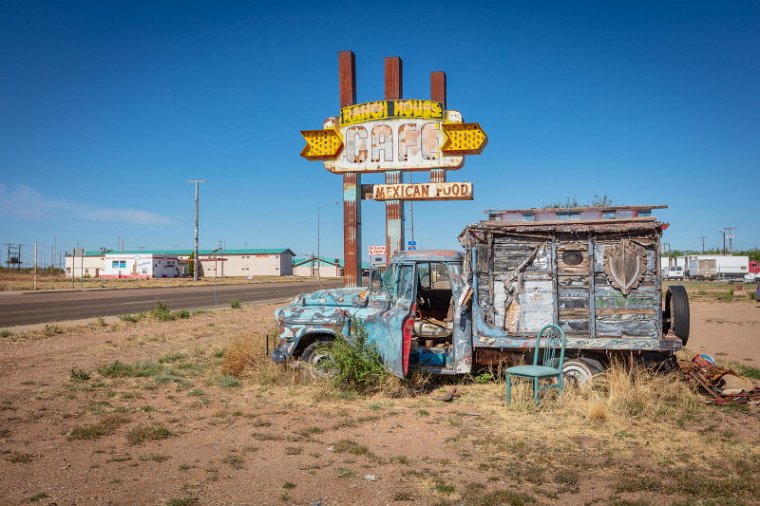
[(45, 307)]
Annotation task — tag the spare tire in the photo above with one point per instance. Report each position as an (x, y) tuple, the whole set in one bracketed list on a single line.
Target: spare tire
[(677, 312)]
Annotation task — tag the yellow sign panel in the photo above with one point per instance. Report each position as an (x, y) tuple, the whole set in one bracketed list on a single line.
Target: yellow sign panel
[(385, 109), (321, 144), (463, 139), (423, 191)]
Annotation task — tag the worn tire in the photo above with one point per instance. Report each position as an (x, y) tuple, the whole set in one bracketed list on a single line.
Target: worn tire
[(316, 355), (581, 370), (677, 310)]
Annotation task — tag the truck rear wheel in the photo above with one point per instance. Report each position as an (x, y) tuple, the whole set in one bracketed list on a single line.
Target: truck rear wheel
[(676, 314), (581, 370)]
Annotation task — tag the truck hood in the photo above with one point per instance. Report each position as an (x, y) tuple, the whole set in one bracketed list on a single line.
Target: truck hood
[(335, 297), (322, 306)]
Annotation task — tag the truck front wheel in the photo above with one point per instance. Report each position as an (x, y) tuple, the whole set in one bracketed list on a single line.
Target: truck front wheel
[(317, 355)]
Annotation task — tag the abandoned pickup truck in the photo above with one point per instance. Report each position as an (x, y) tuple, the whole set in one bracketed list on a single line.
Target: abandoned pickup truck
[(593, 271)]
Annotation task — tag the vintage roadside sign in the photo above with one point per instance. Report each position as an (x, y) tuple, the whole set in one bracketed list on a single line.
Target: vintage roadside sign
[(423, 191), (391, 136), (376, 250), (385, 135)]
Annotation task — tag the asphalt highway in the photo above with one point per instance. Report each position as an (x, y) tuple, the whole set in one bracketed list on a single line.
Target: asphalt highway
[(45, 307)]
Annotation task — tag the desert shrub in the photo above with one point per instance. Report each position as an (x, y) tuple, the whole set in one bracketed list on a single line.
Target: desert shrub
[(119, 369), (235, 303), (104, 427), (161, 312), (129, 318), (79, 375), (228, 381), (5, 333), (143, 433), (356, 362), (51, 330), (183, 314)]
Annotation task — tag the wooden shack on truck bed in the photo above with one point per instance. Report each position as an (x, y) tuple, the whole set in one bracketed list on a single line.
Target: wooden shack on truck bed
[(593, 271)]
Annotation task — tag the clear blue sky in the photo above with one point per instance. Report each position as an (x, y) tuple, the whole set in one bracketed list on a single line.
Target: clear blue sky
[(106, 108)]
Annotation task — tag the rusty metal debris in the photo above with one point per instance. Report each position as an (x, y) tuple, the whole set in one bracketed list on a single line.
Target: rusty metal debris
[(722, 385), (448, 396)]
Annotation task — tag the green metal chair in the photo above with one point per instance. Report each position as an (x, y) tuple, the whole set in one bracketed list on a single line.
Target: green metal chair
[(549, 367)]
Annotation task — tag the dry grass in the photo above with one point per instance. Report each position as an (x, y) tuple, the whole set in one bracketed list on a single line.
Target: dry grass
[(245, 357)]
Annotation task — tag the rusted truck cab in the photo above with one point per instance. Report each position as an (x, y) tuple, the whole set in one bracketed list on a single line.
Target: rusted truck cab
[(409, 312), (593, 271)]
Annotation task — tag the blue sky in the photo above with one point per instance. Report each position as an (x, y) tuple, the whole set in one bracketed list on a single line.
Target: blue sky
[(107, 108)]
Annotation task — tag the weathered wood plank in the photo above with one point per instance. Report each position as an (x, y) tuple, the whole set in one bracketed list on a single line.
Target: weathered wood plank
[(572, 281), (573, 303), (644, 311)]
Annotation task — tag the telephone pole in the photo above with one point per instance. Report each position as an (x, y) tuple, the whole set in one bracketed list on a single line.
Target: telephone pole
[(731, 239), (195, 250), (703, 243), (728, 233)]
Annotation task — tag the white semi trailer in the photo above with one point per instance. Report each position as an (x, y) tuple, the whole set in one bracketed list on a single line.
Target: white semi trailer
[(718, 266)]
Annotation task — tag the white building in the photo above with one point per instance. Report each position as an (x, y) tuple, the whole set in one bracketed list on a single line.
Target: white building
[(143, 265), (245, 262), (88, 266), (172, 263), (307, 267)]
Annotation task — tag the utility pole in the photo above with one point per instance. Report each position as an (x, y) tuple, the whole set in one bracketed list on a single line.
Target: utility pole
[(35, 266), (195, 249), (723, 233), (728, 233), (730, 237), (703, 243)]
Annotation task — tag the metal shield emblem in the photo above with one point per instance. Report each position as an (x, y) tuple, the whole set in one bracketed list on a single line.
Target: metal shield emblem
[(625, 264)]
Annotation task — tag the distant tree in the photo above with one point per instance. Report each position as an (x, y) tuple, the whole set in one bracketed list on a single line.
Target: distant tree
[(191, 264)]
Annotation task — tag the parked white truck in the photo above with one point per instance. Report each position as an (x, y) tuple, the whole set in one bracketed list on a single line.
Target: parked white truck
[(718, 267)]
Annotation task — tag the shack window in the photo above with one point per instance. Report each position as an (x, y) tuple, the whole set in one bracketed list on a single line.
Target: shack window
[(572, 257), (608, 215), (528, 217), (433, 276)]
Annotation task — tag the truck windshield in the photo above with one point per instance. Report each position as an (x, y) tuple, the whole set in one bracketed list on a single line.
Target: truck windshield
[(382, 279), (405, 282)]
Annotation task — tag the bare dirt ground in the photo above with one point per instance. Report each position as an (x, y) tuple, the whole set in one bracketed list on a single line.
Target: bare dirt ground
[(169, 425), (727, 331)]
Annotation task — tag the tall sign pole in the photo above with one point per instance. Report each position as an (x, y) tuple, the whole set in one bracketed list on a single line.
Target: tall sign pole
[(394, 209), (195, 227), (438, 94), (352, 183)]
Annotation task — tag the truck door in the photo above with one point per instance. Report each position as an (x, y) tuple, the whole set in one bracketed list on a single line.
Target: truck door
[(394, 346)]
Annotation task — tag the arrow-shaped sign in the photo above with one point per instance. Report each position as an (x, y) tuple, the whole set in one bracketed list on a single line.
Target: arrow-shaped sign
[(321, 144), (463, 139)]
